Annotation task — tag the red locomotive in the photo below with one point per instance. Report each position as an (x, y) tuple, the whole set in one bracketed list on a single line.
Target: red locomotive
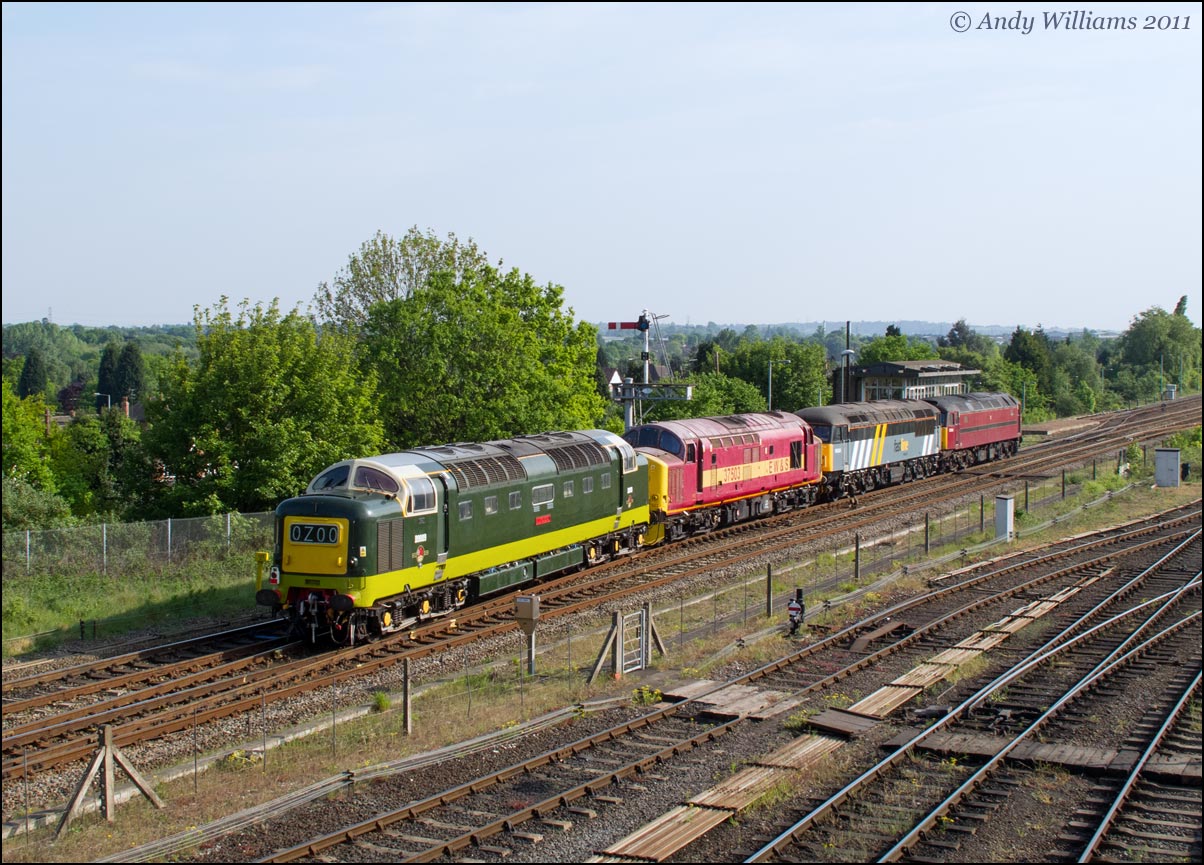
[(977, 427), (709, 472)]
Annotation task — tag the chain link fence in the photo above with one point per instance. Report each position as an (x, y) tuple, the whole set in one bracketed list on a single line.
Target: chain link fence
[(116, 547)]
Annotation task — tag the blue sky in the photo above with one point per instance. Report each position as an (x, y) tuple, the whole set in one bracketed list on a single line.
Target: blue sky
[(751, 164)]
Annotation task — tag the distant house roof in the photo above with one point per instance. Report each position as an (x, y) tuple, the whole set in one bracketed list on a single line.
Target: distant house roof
[(916, 368)]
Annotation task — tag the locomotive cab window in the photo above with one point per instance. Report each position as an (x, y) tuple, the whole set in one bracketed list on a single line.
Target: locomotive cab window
[(422, 496), (368, 478), (671, 444), (333, 479)]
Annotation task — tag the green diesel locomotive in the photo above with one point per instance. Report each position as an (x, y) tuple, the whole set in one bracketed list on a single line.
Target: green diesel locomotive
[(376, 544)]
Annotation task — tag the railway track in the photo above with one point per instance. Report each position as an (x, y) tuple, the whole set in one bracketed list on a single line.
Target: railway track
[(418, 832), (862, 820)]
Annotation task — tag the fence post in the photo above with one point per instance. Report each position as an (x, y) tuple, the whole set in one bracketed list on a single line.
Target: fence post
[(169, 539), (769, 591), (406, 713), (927, 533)]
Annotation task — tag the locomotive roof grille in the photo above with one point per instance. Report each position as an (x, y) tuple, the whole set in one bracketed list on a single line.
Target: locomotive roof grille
[(733, 420), (578, 455), (486, 471)]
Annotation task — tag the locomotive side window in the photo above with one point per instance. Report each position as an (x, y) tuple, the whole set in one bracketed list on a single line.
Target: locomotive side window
[(422, 495), (568, 489), (490, 505), (466, 510), (542, 494), (587, 485), (690, 457), (605, 482), (516, 500), (628, 454)]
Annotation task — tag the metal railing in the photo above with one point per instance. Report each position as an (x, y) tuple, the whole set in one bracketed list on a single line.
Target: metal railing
[(111, 547)]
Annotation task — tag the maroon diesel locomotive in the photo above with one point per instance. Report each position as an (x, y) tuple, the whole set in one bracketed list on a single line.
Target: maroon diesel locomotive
[(977, 427)]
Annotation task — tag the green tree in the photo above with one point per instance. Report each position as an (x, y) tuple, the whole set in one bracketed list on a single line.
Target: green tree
[(1003, 375), (100, 467), (1030, 350), (27, 507), (106, 376), (895, 348), (485, 356), (799, 370), (714, 394), (385, 269), (33, 375), (1158, 347), (26, 441), (268, 404), (130, 377)]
